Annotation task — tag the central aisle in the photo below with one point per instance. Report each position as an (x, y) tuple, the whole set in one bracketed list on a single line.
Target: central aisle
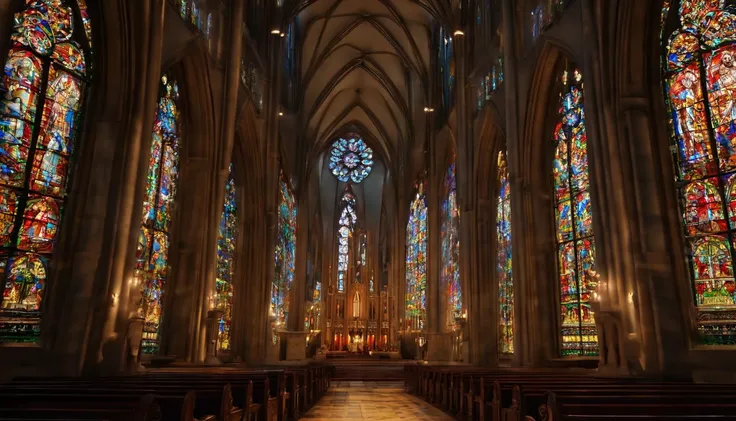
[(359, 400)]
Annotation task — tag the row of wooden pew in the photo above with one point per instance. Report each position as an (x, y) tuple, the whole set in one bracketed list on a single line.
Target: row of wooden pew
[(475, 393), (177, 395)]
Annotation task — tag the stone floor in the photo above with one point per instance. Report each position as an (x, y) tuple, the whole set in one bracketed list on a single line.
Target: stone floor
[(363, 400)]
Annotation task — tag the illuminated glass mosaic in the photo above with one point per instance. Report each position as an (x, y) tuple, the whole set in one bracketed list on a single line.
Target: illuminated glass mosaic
[(699, 64), (574, 220), (351, 159), (504, 271), (450, 239), (227, 239), (152, 254), (41, 98), (416, 262)]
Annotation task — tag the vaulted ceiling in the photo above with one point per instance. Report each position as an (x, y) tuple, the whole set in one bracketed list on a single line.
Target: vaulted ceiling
[(365, 66)]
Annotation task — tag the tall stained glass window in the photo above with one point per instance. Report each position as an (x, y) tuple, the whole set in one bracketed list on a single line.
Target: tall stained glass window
[(416, 262), (43, 90), (451, 248), (446, 63), (152, 255), (284, 255), (503, 260), (227, 239), (346, 226), (361, 269), (700, 84), (574, 220)]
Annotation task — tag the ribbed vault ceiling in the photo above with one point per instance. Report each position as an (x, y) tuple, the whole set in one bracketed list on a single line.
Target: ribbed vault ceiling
[(363, 64)]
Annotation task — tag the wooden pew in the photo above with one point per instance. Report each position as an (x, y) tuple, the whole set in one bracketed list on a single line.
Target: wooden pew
[(144, 409), (628, 406)]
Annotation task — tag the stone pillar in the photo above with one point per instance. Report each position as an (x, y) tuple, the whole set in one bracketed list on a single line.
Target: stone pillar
[(96, 312), (465, 194), (642, 316), (223, 151), (270, 112), (511, 90)]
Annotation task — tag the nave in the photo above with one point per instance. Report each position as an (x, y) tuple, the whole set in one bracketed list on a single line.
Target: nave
[(371, 400)]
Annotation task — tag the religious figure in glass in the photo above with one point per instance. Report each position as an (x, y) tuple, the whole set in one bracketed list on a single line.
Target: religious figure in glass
[(574, 220), (699, 65), (41, 98), (503, 259), (152, 255), (450, 238), (416, 262)]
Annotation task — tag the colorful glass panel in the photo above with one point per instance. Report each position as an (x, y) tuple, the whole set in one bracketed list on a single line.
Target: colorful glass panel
[(284, 256), (226, 243), (360, 264), (160, 193), (351, 159), (503, 259), (346, 225), (41, 96), (699, 64), (575, 245), (450, 238), (416, 262)]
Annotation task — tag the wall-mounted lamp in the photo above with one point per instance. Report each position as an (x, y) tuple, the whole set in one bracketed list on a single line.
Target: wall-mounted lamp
[(631, 298), (282, 34), (459, 33), (281, 113), (276, 31), (428, 110)]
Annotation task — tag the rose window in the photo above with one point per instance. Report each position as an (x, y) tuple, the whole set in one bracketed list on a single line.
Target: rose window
[(351, 159)]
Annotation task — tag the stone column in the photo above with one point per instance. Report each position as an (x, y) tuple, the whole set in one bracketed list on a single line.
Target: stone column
[(465, 197), (511, 90), (223, 152), (637, 297), (98, 304), (270, 112)]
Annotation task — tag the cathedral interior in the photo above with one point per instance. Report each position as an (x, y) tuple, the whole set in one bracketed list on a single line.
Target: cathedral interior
[(291, 197)]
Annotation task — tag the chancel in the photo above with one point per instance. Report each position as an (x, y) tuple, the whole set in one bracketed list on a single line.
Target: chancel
[(367, 209)]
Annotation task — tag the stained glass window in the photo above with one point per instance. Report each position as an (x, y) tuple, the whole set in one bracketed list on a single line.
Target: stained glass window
[(574, 220), (346, 226), (43, 89), (152, 256), (503, 260), (360, 267), (351, 159), (451, 248), (446, 62), (284, 255), (416, 262), (545, 13), (226, 242), (700, 84)]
